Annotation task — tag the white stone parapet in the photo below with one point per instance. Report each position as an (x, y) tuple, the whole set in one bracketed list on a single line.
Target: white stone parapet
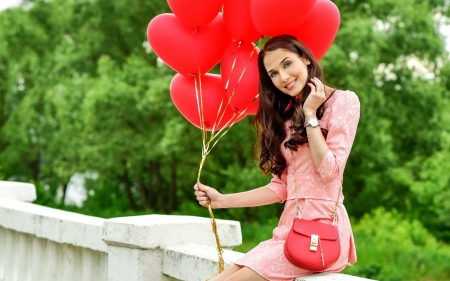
[(141, 237), (194, 261), (18, 190), (161, 231), (331, 277), (52, 224)]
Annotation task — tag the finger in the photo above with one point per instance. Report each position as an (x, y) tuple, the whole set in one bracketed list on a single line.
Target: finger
[(312, 86), (320, 84), (200, 193), (317, 83), (200, 187), (204, 202), (203, 198)]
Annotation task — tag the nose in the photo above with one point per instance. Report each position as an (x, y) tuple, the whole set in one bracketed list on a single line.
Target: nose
[(284, 77)]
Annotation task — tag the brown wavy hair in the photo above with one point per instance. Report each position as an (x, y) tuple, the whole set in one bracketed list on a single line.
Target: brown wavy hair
[(275, 107)]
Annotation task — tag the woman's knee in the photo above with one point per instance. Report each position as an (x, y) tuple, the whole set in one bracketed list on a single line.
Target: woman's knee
[(229, 271), (245, 274)]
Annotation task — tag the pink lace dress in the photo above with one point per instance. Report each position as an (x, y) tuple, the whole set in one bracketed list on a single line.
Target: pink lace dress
[(317, 192)]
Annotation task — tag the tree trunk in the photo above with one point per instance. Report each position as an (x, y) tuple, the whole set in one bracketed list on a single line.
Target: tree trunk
[(64, 192), (35, 169), (151, 185), (160, 188), (173, 187), (142, 191), (128, 184)]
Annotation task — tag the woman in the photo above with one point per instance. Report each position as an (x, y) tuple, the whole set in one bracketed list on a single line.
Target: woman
[(307, 129)]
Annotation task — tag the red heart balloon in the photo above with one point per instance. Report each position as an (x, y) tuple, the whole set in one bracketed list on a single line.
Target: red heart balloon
[(253, 108), (237, 18), (188, 50), (318, 31), (240, 77), (216, 112), (195, 13), (275, 17)]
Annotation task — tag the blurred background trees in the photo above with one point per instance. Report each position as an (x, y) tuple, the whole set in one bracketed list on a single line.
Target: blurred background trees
[(82, 95)]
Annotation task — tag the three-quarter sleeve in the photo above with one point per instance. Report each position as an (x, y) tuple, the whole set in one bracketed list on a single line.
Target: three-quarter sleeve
[(341, 134), (279, 186)]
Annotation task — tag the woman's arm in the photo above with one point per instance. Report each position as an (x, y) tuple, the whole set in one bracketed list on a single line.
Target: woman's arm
[(316, 141), (331, 156), (255, 197)]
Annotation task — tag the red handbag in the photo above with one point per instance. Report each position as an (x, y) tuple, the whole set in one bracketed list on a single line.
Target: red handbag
[(312, 245)]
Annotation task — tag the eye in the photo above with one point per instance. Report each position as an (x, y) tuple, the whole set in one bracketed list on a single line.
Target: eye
[(286, 64), (272, 74)]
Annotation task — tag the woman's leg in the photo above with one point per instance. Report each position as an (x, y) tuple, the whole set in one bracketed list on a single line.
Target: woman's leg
[(232, 269), (245, 274)]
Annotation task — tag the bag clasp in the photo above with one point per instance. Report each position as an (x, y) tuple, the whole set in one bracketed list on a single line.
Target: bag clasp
[(314, 242)]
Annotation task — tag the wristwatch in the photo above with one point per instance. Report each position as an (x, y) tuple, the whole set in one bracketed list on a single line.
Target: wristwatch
[(313, 122)]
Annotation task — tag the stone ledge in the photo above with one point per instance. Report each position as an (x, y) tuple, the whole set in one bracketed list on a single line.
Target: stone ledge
[(331, 277), (194, 262), (52, 224), (18, 190), (161, 231)]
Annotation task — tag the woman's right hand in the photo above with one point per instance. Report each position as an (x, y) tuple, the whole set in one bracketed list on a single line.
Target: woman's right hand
[(208, 196)]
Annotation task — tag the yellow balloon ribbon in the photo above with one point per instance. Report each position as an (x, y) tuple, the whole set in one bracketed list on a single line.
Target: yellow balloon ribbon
[(214, 137)]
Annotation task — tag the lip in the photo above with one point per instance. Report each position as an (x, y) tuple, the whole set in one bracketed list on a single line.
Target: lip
[(290, 85)]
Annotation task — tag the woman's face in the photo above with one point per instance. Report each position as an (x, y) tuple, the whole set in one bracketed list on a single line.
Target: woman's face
[(288, 71)]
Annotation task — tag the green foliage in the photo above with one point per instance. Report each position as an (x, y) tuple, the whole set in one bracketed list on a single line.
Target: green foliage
[(392, 248)]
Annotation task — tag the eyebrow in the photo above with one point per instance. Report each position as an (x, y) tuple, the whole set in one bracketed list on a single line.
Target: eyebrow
[(268, 72)]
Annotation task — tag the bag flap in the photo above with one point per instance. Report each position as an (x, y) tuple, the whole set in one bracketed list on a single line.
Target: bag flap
[(307, 228)]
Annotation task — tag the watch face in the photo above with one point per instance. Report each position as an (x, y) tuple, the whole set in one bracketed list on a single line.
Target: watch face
[(314, 122)]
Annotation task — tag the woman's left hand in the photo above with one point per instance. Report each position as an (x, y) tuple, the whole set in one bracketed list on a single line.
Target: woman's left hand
[(315, 99)]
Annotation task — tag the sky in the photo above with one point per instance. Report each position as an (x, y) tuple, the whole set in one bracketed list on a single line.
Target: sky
[(8, 3)]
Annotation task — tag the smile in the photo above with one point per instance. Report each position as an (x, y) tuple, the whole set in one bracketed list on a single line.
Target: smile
[(291, 85)]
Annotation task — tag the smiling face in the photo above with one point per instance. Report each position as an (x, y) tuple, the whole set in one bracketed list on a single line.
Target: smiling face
[(288, 70)]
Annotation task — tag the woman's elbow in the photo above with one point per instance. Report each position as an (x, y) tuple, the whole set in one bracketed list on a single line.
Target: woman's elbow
[(329, 175)]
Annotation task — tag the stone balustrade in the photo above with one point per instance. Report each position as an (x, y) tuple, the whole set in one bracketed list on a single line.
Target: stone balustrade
[(44, 244)]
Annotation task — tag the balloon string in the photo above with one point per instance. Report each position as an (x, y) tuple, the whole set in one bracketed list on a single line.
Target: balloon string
[(219, 119), (219, 246), (234, 118), (213, 136), (242, 73), (199, 96), (206, 145), (205, 152), (232, 66)]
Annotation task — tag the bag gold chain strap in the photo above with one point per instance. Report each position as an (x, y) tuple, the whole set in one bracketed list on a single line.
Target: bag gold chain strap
[(333, 215)]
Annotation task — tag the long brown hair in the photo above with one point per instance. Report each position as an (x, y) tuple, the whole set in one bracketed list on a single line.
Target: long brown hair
[(275, 108)]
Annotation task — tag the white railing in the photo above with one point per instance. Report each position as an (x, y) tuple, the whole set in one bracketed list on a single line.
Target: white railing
[(44, 244)]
